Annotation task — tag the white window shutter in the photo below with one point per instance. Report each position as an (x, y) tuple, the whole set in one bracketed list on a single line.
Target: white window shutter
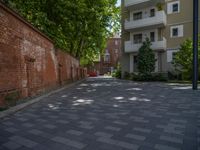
[(180, 31), (169, 8), (171, 34)]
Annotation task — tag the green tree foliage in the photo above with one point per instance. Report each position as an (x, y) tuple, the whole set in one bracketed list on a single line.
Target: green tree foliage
[(146, 59), (183, 59), (79, 27)]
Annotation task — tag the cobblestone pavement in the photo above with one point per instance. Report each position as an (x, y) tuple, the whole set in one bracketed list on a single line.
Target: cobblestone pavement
[(108, 114)]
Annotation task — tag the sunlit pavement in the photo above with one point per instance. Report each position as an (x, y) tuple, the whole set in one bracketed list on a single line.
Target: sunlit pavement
[(108, 114)]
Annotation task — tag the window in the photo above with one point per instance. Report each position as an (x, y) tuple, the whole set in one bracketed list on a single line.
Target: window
[(152, 36), (135, 59), (107, 56), (173, 55), (137, 16), (135, 63), (152, 12), (116, 42), (177, 31), (173, 7), (137, 38)]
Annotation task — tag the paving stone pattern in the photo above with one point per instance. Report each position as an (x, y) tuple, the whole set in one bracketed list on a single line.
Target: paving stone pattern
[(108, 114)]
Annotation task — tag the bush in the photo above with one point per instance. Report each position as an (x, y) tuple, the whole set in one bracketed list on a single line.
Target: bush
[(152, 77), (159, 77), (127, 75), (117, 74), (174, 76), (183, 61), (146, 60)]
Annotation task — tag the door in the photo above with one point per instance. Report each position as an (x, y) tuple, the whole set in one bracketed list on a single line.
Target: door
[(29, 75)]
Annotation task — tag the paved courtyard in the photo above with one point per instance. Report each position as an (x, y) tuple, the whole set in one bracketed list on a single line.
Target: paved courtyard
[(108, 114)]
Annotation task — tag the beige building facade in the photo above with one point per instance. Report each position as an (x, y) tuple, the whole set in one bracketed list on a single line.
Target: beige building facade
[(167, 23)]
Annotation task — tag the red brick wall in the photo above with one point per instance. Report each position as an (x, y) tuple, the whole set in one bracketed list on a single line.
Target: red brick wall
[(68, 68), (28, 61)]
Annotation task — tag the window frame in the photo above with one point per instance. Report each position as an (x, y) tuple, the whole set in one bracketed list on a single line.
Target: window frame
[(152, 12), (140, 13), (175, 11), (154, 38), (170, 9), (137, 41), (180, 30), (175, 32)]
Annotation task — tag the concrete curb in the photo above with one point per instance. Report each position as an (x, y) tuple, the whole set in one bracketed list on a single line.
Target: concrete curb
[(19, 107)]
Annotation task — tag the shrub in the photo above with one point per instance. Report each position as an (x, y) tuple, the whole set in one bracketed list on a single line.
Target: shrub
[(174, 76), (127, 75), (117, 74), (152, 77), (159, 77), (146, 60), (183, 59)]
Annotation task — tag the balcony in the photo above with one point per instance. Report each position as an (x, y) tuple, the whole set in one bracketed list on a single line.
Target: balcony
[(159, 20), (157, 45), (140, 4)]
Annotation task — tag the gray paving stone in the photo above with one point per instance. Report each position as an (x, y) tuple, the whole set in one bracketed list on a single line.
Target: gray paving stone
[(62, 121), (179, 121), (12, 145), (136, 137), (172, 139), (169, 120), (142, 130), (122, 144), (165, 147), (28, 125), (103, 134), (49, 126), (120, 123), (69, 142), (23, 141), (128, 145), (74, 132), (41, 120), (35, 132), (11, 129), (53, 117), (22, 119), (8, 123), (112, 128), (84, 126)]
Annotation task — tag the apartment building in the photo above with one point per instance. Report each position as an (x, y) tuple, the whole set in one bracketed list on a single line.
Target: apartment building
[(167, 23)]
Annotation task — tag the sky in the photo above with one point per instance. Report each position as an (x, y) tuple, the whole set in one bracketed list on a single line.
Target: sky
[(118, 2)]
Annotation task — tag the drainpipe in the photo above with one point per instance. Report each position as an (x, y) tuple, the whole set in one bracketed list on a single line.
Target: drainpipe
[(195, 44)]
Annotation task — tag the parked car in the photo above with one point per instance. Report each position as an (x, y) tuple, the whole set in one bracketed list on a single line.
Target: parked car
[(92, 74)]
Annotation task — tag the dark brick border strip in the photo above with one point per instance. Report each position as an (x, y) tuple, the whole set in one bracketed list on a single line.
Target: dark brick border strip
[(19, 107)]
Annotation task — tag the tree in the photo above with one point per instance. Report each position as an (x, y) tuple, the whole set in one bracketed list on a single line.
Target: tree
[(146, 59), (79, 27), (184, 59)]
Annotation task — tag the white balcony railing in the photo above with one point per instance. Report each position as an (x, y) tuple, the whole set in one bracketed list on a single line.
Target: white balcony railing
[(157, 45), (141, 3), (157, 21), (134, 2)]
